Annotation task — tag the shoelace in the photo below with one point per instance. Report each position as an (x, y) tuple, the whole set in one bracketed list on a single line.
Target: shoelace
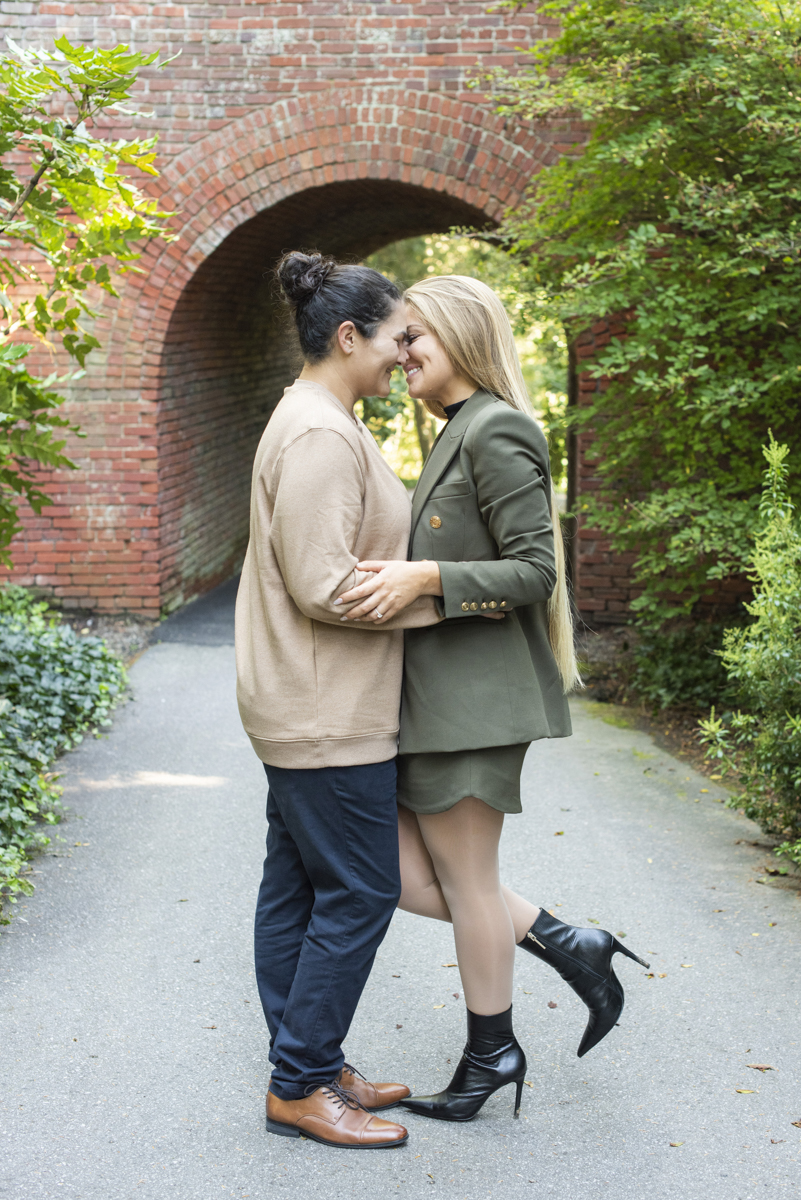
[(353, 1071), (342, 1097)]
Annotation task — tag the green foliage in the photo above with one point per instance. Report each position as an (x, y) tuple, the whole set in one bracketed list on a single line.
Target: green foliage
[(680, 666), (761, 741), (680, 213), (541, 345), (54, 686), (378, 412), (70, 214)]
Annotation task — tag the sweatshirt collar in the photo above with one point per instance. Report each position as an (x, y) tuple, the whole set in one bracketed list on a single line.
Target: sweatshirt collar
[(327, 395)]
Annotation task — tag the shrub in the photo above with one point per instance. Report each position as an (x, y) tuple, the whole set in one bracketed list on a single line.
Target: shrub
[(680, 213), (681, 666), (54, 686), (761, 741)]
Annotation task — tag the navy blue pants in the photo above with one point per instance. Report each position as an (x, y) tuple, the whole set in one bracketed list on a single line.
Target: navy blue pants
[(331, 883)]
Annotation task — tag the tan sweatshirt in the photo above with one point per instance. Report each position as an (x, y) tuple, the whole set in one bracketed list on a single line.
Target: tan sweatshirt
[(314, 691)]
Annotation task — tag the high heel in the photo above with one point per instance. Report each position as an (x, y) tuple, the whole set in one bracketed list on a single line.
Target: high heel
[(583, 957), (492, 1058)]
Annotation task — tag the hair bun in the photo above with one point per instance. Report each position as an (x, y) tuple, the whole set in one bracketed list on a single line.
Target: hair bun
[(302, 275)]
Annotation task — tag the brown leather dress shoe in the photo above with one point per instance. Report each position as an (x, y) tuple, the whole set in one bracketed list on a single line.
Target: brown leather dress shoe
[(334, 1117), (374, 1096)]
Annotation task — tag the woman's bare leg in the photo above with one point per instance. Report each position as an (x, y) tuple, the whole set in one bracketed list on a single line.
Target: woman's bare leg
[(420, 890), (422, 893), (522, 912), (463, 845)]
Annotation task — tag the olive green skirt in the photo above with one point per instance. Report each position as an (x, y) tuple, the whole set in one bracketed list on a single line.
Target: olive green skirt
[(433, 783)]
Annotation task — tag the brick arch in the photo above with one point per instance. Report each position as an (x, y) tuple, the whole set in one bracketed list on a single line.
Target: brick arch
[(158, 512), (335, 179), (259, 102), (424, 140)]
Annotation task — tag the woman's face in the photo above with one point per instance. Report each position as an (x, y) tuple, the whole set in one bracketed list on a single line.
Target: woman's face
[(430, 375), (377, 357)]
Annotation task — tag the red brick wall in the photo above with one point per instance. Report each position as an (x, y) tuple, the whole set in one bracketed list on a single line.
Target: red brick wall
[(343, 126)]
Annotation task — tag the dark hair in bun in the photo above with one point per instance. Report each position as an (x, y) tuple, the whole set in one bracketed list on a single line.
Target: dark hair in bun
[(323, 293)]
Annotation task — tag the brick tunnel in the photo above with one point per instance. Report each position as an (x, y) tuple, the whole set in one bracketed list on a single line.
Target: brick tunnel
[(230, 351), (338, 127)]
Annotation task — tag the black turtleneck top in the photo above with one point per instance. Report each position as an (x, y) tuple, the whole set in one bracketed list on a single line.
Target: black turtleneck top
[(451, 410)]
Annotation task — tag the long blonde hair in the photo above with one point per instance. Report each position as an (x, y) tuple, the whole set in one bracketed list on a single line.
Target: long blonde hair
[(471, 323)]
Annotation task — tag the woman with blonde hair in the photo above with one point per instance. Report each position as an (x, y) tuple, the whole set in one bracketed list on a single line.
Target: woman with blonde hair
[(486, 541)]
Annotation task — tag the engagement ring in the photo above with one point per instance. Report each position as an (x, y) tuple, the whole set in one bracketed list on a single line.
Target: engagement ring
[(378, 615)]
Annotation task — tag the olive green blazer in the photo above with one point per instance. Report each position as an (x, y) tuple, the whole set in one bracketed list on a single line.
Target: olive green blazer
[(482, 511)]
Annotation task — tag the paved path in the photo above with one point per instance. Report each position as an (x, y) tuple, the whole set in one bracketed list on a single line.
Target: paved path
[(133, 1049)]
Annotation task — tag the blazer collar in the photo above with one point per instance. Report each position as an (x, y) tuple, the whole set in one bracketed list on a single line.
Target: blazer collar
[(444, 449)]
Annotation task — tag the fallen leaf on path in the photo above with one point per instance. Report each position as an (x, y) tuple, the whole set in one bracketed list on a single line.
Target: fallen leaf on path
[(528, 1083), (396, 976), (776, 1141), (456, 995), (703, 789), (399, 1027), (744, 1091), (195, 960), (450, 964), (593, 921), (620, 934), (525, 993), (559, 833), (686, 964), (773, 924), (663, 975), (209, 1026), (796, 1123), (677, 1143), (759, 1067), (715, 776), (183, 901), (552, 1004), (439, 1006), (718, 910), (650, 975)]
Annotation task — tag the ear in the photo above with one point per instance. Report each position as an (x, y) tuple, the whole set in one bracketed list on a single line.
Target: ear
[(346, 337)]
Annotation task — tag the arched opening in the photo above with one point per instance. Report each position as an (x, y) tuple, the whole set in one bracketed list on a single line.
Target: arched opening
[(229, 352)]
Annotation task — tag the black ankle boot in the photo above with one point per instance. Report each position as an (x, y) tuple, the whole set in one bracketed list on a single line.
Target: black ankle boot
[(583, 957), (492, 1058)]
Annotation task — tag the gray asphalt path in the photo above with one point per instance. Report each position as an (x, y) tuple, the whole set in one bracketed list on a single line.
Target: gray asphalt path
[(134, 1055)]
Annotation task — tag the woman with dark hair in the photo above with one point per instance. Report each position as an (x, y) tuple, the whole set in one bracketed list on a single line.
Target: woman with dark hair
[(319, 698)]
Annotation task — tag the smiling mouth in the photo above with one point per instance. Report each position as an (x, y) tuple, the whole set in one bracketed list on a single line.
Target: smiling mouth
[(412, 371)]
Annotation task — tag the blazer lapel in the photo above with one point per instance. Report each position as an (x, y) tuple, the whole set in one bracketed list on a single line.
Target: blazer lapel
[(444, 449)]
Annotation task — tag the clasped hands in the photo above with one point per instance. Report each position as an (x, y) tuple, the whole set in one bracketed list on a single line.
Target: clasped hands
[(393, 586)]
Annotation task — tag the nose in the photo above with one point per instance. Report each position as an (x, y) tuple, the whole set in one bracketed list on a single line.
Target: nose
[(403, 355)]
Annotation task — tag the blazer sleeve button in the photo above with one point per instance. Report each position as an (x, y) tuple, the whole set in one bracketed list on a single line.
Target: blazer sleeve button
[(503, 604), (474, 606), (483, 604), (492, 604), (465, 607), (435, 522)]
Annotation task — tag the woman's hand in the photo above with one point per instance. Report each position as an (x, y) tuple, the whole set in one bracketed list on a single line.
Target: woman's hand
[(392, 587)]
